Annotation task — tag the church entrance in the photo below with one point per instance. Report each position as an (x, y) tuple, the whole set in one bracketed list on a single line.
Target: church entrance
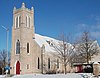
[(18, 67)]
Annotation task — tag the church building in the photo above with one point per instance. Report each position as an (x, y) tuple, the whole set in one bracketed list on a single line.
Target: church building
[(30, 52)]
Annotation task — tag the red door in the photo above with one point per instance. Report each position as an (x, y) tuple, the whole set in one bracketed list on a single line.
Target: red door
[(18, 67), (79, 68)]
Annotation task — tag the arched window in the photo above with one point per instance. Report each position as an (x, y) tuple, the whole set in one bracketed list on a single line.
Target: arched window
[(18, 47), (57, 63), (26, 20), (38, 63), (16, 22), (29, 21), (19, 21), (48, 63), (27, 47)]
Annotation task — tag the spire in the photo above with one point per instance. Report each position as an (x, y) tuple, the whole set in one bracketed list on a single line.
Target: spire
[(32, 8), (14, 9), (23, 5)]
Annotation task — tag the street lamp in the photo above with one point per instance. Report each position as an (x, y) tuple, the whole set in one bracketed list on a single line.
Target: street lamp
[(7, 29)]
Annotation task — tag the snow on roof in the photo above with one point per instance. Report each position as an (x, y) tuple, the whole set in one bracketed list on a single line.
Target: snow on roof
[(43, 40), (49, 42)]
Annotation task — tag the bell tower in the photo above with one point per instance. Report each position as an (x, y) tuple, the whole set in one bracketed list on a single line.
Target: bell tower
[(23, 18), (22, 40)]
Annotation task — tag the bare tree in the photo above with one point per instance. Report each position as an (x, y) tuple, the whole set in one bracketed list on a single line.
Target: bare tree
[(86, 47), (3, 60), (3, 55), (64, 51)]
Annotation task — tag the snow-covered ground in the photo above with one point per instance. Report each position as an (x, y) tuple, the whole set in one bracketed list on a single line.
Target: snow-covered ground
[(2, 76), (69, 75), (50, 76)]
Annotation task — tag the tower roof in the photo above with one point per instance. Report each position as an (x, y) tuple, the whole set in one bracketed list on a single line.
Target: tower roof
[(23, 5), (23, 8)]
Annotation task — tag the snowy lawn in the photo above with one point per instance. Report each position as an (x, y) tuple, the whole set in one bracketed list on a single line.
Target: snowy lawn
[(2, 76), (72, 75), (69, 75)]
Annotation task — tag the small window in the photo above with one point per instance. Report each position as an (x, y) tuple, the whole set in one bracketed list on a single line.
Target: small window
[(38, 63), (27, 47), (48, 42), (48, 63), (27, 66), (57, 63), (18, 47)]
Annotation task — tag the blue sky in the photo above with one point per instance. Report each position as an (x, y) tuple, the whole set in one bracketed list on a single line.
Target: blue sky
[(54, 16)]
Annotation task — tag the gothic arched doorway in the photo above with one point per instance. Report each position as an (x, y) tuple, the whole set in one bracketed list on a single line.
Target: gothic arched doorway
[(18, 67)]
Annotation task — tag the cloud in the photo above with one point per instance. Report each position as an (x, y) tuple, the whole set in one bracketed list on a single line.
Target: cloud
[(82, 26), (93, 27), (95, 34), (94, 17)]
